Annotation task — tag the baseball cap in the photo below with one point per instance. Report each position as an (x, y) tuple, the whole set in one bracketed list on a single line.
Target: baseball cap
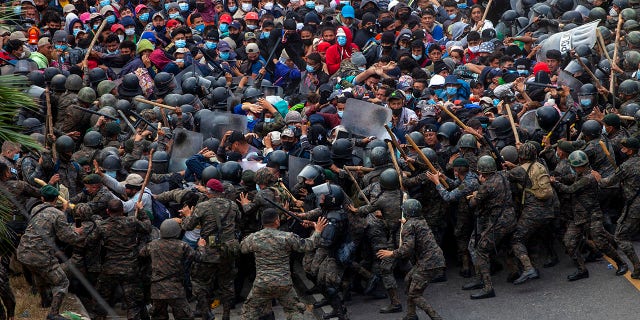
[(133, 180), (215, 185), (140, 7), (68, 8), (223, 46), (117, 27), (252, 48), (250, 35), (43, 41), (18, 35), (396, 95), (235, 25), (172, 23), (288, 133), (225, 18)]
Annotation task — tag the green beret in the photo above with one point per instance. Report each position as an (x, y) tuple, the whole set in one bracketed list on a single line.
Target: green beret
[(49, 191), (566, 146), (631, 143), (83, 161), (612, 119), (92, 179), (248, 176), (460, 162)]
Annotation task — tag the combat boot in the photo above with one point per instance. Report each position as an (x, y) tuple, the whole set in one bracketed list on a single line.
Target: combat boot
[(487, 289), (56, 303), (579, 274), (636, 272), (532, 273), (622, 267), (395, 306), (432, 313), (411, 311), (474, 285), (321, 303)]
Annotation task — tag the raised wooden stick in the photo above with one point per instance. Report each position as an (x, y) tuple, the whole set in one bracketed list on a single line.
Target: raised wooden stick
[(355, 182), (612, 78), (60, 198), (425, 159), (153, 103), (513, 123)]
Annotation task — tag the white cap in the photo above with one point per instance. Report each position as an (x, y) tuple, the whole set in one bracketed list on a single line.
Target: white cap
[(436, 80)]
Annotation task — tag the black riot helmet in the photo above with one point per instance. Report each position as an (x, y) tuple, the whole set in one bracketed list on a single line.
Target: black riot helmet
[(591, 129), (281, 158), (389, 179), (547, 117), (160, 162), (342, 149), (231, 171), (209, 173), (333, 196), (321, 155)]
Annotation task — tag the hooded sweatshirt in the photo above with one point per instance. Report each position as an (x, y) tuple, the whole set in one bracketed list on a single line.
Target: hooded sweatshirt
[(336, 53)]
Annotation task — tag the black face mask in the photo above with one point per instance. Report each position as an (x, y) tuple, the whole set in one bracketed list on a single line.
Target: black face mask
[(387, 48), (307, 42), (234, 36), (288, 145), (200, 6), (404, 16), (396, 112)]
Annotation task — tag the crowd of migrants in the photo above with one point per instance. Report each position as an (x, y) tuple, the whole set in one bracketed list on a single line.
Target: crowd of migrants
[(193, 148)]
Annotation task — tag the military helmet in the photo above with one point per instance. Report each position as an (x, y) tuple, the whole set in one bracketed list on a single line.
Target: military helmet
[(606, 33), (140, 165), (160, 157), (628, 87), (209, 173), (509, 16), (92, 139), (597, 13), (31, 125), (111, 163), (630, 25), (565, 5), (36, 78), (312, 172), (571, 17), (627, 14), (220, 94), (418, 138), (170, 229), (376, 143), (412, 208), (486, 164), (633, 38), (527, 152), (251, 94), (105, 86), (449, 131), (547, 117), (342, 149), (587, 89), (172, 99), (164, 83), (578, 158), (123, 105), (231, 171), (265, 177), (82, 211), (108, 99), (631, 60), (212, 144), (87, 95), (509, 153), (591, 128), (130, 86), (630, 109), (501, 125), (389, 179), (57, 82), (96, 75), (620, 3), (379, 156), (321, 155), (281, 158), (64, 144), (190, 85), (49, 73), (430, 154), (73, 83), (468, 141)]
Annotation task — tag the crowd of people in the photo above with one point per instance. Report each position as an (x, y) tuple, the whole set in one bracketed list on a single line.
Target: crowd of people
[(189, 149)]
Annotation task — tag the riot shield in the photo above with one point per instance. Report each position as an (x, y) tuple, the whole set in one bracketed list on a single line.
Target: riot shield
[(566, 79), (180, 76), (567, 40), (529, 122), (296, 164), (215, 124), (366, 119), (185, 144), (252, 165)]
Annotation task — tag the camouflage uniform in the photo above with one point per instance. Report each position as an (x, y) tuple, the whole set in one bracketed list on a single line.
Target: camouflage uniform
[(496, 220), (97, 201), (71, 175), (8, 305), (21, 192), (434, 208), (419, 244), (85, 152), (168, 260), (253, 210), (217, 219), (69, 118), (628, 175), (586, 220), (272, 249), (119, 237), (38, 253)]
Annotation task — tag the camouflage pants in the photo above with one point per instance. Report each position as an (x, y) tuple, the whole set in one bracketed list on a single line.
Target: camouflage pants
[(625, 230), (417, 281), (206, 276), (132, 293), (260, 297), (573, 241), (312, 260), (180, 309), (603, 239), (463, 230), (526, 227), (488, 242), (50, 276), (330, 273), (380, 237)]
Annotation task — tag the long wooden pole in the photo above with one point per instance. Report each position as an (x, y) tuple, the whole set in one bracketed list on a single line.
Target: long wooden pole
[(513, 123), (425, 159), (355, 182), (148, 174), (612, 78), (49, 122), (153, 103)]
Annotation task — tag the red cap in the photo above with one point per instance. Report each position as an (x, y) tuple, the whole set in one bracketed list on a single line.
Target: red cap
[(225, 18), (215, 185), (541, 66), (117, 27), (323, 46), (172, 23), (140, 7), (251, 16)]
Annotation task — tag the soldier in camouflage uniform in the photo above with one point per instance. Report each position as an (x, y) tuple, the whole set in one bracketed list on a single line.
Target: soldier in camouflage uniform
[(587, 217), (496, 220), (628, 175), (21, 191), (217, 218), (95, 194), (272, 249), (253, 209), (169, 256), (37, 250), (66, 171), (418, 244), (119, 236), (615, 133), (466, 183)]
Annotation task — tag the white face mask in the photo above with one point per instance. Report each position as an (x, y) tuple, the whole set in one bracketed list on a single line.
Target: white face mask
[(121, 37), (268, 6), (613, 12), (319, 8), (130, 31), (247, 7)]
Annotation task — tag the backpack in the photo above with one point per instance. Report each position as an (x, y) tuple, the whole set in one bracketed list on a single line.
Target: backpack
[(160, 212), (540, 183)]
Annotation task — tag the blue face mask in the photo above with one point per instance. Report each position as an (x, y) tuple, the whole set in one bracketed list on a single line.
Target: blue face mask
[(310, 68), (111, 174), (452, 16), (17, 10), (233, 9), (390, 124), (438, 92), (144, 17), (166, 7), (224, 55), (523, 72), (76, 31), (310, 4), (496, 102), (200, 28), (340, 113), (111, 19), (62, 47), (268, 120), (585, 102), (210, 45), (342, 41), (95, 27), (264, 35), (113, 52), (252, 27), (224, 27), (431, 101), (416, 57), (181, 43), (183, 6), (257, 187), (452, 90), (16, 157), (174, 15), (104, 3), (462, 5), (250, 118)]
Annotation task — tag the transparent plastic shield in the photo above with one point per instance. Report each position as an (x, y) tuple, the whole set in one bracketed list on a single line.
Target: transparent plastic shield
[(185, 144), (215, 124), (366, 119), (296, 164)]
